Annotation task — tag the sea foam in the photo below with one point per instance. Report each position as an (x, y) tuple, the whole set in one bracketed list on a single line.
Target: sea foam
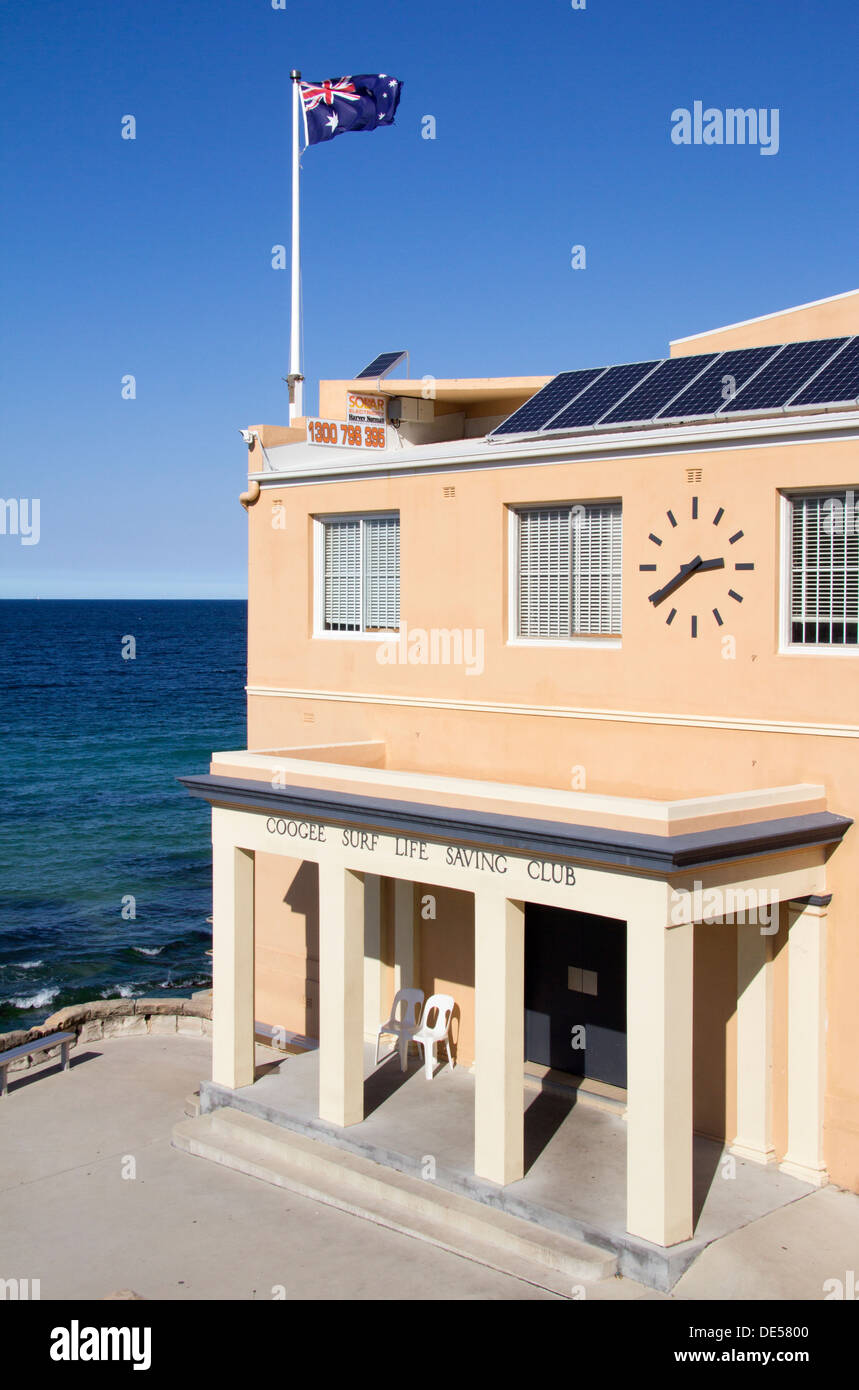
[(35, 1001)]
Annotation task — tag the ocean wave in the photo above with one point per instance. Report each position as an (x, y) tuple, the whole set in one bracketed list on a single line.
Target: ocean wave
[(34, 1001), (187, 982), (121, 992), (148, 950)]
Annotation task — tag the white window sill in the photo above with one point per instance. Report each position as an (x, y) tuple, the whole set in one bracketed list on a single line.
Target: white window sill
[(798, 650), (603, 644), (357, 636)]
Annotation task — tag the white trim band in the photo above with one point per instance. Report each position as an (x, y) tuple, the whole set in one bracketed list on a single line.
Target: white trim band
[(615, 716)]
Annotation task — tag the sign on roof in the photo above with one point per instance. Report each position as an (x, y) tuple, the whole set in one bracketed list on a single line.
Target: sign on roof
[(365, 410), (342, 434)]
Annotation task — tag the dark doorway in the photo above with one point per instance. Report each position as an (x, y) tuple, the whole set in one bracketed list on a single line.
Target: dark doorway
[(575, 993)]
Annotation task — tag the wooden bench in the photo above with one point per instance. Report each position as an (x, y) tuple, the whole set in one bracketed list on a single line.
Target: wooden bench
[(64, 1040)]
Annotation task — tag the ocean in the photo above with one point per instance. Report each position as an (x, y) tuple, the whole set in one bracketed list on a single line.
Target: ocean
[(105, 861)]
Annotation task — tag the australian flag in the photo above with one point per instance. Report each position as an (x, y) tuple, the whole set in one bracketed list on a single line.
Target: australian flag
[(348, 103)]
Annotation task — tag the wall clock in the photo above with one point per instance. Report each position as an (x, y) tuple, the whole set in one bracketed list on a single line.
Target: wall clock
[(698, 572)]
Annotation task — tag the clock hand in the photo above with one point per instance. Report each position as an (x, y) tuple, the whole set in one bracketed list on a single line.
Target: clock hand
[(717, 564), (679, 578)]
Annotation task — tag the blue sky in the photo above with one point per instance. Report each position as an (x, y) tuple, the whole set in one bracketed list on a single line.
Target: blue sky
[(153, 256)]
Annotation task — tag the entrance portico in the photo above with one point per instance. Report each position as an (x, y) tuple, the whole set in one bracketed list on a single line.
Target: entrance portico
[(580, 854)]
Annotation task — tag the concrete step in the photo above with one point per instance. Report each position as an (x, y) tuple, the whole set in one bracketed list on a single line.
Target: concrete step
[(192, 1104), (392, 1199)]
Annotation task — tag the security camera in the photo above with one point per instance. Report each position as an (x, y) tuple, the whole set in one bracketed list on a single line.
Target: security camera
[(249, 436)]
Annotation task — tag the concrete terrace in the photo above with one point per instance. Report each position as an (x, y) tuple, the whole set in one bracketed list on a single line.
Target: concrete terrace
[(575, 1155), (70, 1219)]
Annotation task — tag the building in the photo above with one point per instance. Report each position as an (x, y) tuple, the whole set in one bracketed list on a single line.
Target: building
[(552, 697)]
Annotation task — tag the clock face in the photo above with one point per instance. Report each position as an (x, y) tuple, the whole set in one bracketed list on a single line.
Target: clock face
[(698, 563)]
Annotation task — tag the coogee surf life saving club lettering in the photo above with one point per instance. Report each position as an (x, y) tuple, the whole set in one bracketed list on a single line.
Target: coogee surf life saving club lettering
[(420, 851), (296, 829)]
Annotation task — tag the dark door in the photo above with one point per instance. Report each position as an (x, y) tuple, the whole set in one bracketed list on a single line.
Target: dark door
[(575, 993)]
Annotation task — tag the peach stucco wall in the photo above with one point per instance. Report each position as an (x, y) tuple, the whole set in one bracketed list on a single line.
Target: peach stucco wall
[(446, 956), (455, 575), (832, 318), (287, 944)]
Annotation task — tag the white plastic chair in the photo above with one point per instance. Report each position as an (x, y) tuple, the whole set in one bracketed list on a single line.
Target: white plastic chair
[(403, 1023), (428, 1035)]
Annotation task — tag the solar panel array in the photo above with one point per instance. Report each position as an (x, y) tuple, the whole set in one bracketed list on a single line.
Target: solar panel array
[(614, 383), (838, 380), (671, 377), (534, 414), (719, 385), (381, 365)]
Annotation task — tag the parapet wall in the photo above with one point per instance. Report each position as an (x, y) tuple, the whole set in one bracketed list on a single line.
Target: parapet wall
[(112, 1018)]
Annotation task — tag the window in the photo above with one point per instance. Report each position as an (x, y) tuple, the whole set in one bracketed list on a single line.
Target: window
[(360, 574), (569, 571), (823, 579)]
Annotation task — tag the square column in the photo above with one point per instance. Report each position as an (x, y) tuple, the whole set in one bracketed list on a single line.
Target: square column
[(341, 995), (499, 1094), (659, 1079), (806, 1039), (754, 1045), (375, 1006), (405, 946), (232, 965)]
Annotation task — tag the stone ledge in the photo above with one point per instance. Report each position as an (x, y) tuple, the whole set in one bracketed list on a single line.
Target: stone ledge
[(110, 1018)]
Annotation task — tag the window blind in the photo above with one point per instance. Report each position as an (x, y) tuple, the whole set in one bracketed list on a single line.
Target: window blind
[(544, 572), (343, 575), (569, 570), (361, 574), (824, 578), (597, 544), (382, 573)]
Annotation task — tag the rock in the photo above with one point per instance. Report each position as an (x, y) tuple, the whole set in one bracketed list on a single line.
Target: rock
[(162, 1023), (196, 1008), (156, 1006), (184, 1024), (125, 1024)]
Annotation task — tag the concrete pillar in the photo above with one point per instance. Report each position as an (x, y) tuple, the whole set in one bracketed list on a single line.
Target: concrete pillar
[(232, 965), (806, 1039), (405, 945), (375, 1005), (341, 995), (499, 981), (659, 1079), (754, 1045)]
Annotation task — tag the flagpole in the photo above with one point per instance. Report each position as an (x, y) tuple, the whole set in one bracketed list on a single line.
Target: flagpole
[(294, 378)]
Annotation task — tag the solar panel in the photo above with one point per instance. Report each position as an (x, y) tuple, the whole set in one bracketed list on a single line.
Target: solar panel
[(821, 371), (839, 380), (783, 376), (708, 394), (558, 392), (658, 389), (614, 383), (381, 365)]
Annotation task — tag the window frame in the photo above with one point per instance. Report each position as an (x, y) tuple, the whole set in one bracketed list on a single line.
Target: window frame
[(319, 628), (592, 641), (786, 646)]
